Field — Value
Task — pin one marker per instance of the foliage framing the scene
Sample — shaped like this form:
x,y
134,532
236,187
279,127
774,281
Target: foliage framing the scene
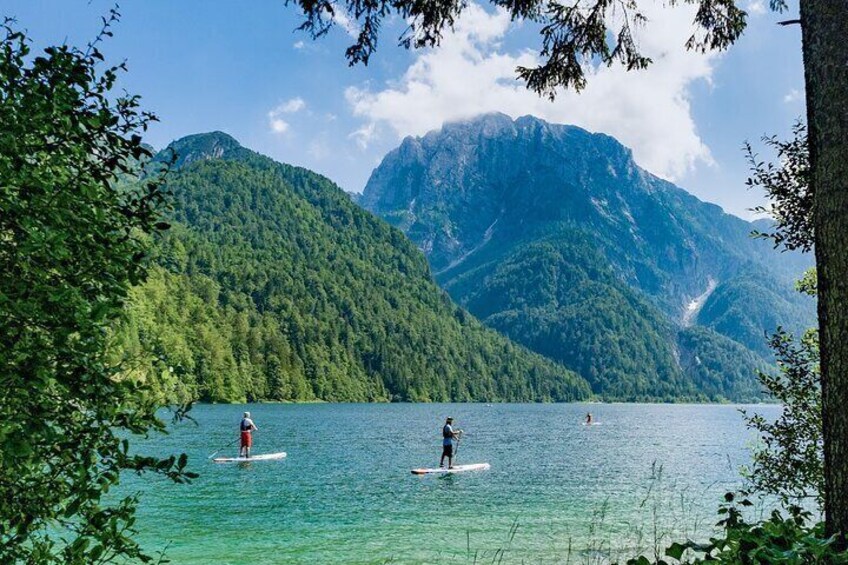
x,y
789,538
789,460
573,36
787,186
72,242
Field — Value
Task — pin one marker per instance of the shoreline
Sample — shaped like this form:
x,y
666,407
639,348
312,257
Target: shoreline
x,y
489,403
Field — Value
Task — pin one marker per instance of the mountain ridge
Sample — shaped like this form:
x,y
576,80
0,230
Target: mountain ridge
x,y
273,285
477,193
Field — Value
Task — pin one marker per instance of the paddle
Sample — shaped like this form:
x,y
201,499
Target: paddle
x,y
456,451
223,447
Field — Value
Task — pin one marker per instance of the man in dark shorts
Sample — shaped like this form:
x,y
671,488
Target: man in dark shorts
x,y
448,437
246,428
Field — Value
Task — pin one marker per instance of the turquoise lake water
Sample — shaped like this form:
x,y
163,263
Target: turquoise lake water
x,y
557,491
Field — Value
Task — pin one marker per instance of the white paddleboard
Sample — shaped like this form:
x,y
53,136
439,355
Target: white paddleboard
x,y
454,469
262,457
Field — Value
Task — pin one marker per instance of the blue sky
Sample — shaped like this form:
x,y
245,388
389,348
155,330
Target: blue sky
x,y
244,69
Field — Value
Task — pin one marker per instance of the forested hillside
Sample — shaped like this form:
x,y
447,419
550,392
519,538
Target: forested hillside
x,y
273,285
555,237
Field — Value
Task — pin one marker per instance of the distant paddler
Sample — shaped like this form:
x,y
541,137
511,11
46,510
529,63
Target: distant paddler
x,y
246,427
588,418
448,438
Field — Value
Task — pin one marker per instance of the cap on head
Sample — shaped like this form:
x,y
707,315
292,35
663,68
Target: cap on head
x,y
247,414
450,419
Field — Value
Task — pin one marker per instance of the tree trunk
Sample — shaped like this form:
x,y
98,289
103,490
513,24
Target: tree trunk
x,y
824,25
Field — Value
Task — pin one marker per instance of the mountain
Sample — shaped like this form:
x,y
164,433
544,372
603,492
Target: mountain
x,y
273,285
555,237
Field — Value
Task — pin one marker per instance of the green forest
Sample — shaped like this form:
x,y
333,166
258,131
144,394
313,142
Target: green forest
x,y
273,285
574,309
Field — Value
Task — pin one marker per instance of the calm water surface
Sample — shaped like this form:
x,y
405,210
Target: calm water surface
x,y
557,492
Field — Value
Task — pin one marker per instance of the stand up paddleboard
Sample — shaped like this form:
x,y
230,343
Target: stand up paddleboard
x,y
263,457
454,469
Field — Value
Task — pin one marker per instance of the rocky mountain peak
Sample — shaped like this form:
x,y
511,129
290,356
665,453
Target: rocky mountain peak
x,y
455,187
556,237
202,147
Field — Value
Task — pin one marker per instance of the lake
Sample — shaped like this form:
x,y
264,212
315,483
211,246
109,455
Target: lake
x,y
557,491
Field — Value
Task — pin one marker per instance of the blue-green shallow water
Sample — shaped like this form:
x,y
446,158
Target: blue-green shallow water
x,y
345,493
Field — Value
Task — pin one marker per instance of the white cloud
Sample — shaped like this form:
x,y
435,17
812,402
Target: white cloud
x,y
299,45
291,106
278,125
275,116
793,95
364,135
470,74
756,7
341,18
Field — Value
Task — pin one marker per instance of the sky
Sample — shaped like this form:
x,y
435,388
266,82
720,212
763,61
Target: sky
x,y
245,69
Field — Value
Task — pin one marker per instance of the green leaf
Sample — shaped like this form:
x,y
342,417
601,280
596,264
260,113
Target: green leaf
x,y
676,551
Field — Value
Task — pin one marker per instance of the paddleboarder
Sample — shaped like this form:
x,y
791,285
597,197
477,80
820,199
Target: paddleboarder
x,y
246,427
448,437
589,419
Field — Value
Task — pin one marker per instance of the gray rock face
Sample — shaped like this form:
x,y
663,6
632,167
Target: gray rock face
x,y
476,193
202,147
493,181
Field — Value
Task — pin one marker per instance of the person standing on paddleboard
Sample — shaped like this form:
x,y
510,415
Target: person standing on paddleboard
x,y
448,435
246,427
